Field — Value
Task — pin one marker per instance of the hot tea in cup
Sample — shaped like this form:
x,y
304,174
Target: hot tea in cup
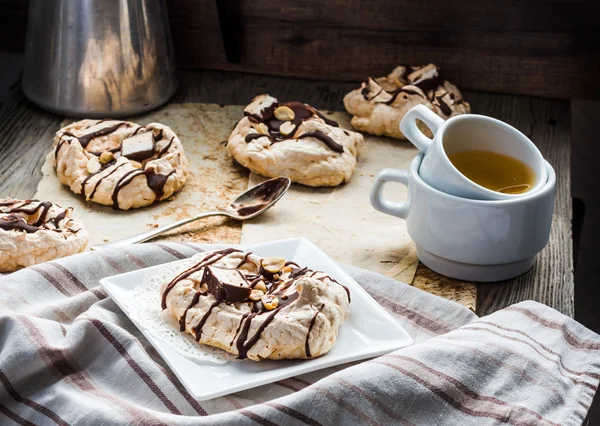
x,y
494,171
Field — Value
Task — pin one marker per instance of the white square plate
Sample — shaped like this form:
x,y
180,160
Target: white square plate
x,y
368,331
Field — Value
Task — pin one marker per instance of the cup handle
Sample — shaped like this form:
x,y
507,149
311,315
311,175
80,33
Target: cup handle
x,y
409,128
379,203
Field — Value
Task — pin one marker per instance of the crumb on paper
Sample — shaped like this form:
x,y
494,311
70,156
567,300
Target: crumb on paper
x,y
106,240
315,202
152,225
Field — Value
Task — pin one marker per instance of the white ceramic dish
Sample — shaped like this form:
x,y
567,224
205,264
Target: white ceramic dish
x,y
368,331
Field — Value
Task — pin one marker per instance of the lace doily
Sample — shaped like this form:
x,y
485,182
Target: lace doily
x,y
145,310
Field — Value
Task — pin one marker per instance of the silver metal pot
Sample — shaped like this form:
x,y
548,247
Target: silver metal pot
x,y
98,58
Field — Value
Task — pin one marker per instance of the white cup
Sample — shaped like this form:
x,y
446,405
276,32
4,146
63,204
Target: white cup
x,y
464,133
471,240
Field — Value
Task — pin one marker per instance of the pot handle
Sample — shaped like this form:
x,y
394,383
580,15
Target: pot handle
x,y
379,203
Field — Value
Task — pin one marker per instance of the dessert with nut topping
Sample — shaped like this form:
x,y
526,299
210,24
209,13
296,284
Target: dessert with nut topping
x,y
33,232
294,140
120,163
380,104
255,307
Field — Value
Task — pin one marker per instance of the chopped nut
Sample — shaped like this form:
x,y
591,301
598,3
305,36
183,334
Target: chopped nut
x,y
256,295
270,302
287,269
262,128
261,286
284,113
136,164
273,264
286,128
106,157
93,166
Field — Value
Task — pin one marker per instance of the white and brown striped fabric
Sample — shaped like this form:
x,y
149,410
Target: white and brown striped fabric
x,y
69,356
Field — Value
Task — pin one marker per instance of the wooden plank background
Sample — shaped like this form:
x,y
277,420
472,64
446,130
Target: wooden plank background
x,y
535,47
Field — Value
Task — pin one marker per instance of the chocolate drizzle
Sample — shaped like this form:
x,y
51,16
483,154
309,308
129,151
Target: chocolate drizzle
x,y
99,181
405,91
84,140
328,121
59,145
13,221
302,112
239,327
165,148
195,300
155,181
122,182
311,325
342,285
198,327
365,92
245,259
56,220
245,343
44,206
331,144
300,272
443,105
251,136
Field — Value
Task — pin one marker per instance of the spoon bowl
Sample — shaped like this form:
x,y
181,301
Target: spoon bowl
x,y
247,205
259,198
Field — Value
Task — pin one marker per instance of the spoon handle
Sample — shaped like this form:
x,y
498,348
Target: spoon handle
x,y
148,235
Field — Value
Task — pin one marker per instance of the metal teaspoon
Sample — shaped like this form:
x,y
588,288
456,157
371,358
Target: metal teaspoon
x,y
249,204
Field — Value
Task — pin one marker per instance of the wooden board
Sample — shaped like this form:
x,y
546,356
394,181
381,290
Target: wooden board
x,y
528,47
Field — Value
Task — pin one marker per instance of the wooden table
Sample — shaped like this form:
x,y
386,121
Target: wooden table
x,y
26,134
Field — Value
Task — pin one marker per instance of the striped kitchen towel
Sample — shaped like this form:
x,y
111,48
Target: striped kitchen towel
x,y
69,356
